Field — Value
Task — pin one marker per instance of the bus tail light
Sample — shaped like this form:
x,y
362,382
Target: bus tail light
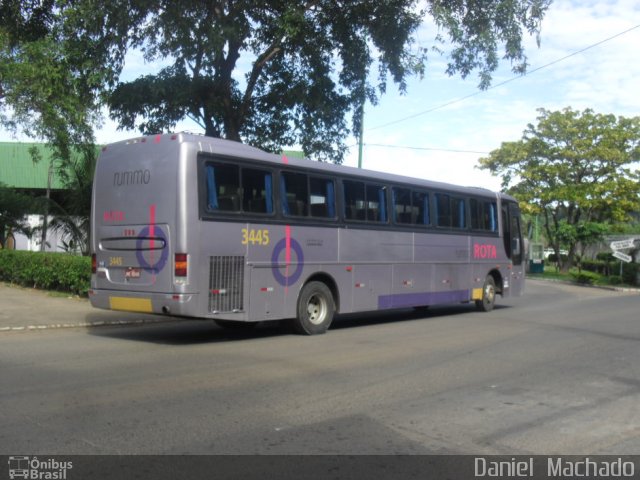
x,y
94,263
181,265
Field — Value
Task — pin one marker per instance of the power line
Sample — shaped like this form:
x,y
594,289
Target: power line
x,y
458,100
425,148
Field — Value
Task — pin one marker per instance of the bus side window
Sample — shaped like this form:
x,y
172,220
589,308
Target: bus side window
x,y
459,213
322,202
257,191
506,233
483,215
401,199
223,187
293,194
477,222
516,239
376,203
443,210
354,200
491,216
421,208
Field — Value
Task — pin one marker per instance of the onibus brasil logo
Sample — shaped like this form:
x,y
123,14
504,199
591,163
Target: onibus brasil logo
x,y
36,469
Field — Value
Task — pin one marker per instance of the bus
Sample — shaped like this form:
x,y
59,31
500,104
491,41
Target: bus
x,y
190,226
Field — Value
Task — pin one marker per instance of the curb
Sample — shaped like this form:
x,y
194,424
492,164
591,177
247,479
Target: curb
x,y
575,284
59,326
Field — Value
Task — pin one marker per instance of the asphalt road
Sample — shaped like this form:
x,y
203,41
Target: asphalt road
x,y
554,372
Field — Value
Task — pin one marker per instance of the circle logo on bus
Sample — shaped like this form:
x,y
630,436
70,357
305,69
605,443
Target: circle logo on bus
x,y
288,277
154,265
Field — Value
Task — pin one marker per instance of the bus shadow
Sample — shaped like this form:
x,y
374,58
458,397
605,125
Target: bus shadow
x,y
354,320
184,332
193,332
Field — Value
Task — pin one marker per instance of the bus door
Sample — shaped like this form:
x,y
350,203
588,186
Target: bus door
x,y
514,247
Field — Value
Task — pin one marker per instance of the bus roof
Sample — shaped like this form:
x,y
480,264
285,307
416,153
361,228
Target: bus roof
x,y
231,148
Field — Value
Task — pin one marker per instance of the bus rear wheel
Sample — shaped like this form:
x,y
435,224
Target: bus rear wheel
x,y
488,295
315,309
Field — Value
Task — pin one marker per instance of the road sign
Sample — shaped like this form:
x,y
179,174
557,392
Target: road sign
x,y
623,256
622,244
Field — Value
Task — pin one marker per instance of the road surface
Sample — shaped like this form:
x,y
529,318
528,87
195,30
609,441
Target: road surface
x,y
554,372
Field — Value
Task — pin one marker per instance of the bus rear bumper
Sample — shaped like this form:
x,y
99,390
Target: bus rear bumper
x,y
178,304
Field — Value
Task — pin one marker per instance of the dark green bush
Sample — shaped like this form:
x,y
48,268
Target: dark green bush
x,y
596,266
605,256
630,273
50,271
614,279
553,258
585,278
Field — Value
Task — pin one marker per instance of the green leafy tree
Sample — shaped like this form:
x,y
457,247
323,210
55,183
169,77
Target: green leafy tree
x,y
52,87
42,95
582,235
71,215
577,170
280,73
52,77
14,206
270,73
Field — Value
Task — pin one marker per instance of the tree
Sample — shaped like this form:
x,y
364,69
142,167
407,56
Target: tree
x,y
280,73
71,216
58,58
582,235
52,86
14,207
270,73
577,170
42,92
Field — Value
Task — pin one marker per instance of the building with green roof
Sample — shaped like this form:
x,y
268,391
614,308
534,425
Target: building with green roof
x,y
19,171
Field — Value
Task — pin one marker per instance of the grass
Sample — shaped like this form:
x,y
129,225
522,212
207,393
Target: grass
x,y
550,273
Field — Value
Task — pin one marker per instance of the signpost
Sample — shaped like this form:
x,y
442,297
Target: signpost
x,y
622,256
622,244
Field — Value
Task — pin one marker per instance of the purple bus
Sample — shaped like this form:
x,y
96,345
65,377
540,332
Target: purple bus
x,y
191,226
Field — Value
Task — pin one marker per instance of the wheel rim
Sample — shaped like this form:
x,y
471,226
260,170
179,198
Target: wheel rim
x,y
489,294
317,309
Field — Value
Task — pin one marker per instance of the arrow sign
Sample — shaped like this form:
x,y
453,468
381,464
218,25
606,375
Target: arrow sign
x,y
622,244
623,256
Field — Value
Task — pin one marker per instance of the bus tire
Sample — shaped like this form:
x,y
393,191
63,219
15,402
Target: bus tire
x,y
488,295
315,309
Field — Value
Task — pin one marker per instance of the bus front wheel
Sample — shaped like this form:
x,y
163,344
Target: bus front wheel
x,y
488,295
315,309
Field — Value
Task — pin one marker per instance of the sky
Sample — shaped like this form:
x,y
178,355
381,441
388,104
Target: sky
x,y
443,125
605,78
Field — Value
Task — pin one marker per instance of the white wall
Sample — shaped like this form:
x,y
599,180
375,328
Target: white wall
x,y
53,241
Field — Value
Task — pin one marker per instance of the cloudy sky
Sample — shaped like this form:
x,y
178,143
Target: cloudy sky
x,y
605,78
443,125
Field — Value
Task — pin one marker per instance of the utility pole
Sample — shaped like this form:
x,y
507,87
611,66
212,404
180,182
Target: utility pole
x,y
45,220
361,133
